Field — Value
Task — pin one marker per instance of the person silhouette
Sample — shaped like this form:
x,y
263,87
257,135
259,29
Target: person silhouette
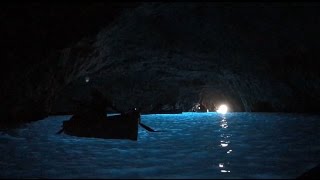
x,y
99,103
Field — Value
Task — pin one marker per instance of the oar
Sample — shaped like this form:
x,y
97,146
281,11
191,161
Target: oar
x,y
59,132
147,127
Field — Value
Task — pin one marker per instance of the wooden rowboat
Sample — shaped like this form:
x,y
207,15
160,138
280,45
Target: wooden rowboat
x,y
124,126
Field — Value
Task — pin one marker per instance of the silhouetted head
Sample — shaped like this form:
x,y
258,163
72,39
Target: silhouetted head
x,y
136,112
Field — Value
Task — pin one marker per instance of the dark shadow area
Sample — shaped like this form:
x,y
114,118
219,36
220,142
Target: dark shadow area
x,y
313,173
262,106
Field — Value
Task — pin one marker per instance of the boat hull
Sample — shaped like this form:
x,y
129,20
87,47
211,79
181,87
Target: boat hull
x,y
123,126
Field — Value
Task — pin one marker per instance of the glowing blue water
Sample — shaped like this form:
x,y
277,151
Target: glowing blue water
x,y
193,145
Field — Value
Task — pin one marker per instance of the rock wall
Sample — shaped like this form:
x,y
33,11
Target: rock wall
x,y
253,57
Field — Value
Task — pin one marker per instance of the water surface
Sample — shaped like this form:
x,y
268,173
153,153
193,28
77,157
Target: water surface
x,y
191,145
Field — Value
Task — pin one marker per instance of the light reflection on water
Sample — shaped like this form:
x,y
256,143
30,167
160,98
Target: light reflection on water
x,y
191,145
224,144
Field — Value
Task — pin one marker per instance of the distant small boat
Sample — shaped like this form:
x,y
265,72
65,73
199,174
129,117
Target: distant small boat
x,y
171,111
124,126
199,108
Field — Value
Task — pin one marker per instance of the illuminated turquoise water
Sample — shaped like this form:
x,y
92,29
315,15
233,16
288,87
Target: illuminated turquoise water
x,y
192,145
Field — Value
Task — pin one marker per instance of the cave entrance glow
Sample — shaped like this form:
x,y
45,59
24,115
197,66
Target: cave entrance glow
x,y
223,109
